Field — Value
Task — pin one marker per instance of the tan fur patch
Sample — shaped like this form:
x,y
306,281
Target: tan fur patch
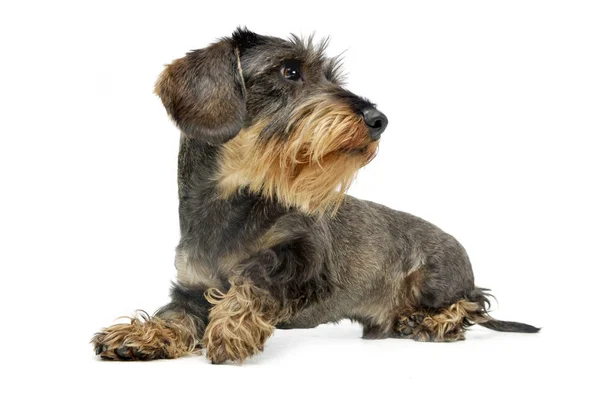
x,y
410,290
311,169
447,324
147,338
240,323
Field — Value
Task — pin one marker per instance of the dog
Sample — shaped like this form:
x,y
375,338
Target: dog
x,y
270,142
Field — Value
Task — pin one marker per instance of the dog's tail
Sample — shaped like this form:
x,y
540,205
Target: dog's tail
x,y
482,317
509,326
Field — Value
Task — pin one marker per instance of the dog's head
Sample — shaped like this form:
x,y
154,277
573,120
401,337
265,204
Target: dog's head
x,y
286,126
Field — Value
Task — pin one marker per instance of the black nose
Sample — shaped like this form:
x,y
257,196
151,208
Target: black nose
x,y
376,121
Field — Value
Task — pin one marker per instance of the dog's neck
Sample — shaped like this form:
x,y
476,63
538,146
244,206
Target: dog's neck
x,y
213,224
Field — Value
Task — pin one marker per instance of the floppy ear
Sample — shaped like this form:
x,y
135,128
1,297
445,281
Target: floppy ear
x,y
204,93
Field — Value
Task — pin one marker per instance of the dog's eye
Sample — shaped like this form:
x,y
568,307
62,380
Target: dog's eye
x,y
291,71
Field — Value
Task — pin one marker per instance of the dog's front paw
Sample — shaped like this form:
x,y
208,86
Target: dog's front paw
x,y
236,330
143,339
234,339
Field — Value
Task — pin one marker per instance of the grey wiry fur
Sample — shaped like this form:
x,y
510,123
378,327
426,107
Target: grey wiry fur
x,y
266,125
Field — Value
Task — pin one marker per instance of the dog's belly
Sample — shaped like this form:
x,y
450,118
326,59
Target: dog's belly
x,y
334,308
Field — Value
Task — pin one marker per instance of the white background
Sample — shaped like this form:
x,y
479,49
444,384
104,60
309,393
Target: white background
x,y
494,112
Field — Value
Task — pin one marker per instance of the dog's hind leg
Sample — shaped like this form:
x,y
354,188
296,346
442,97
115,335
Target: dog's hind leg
x,y
449,324
443,325
173,331
424,308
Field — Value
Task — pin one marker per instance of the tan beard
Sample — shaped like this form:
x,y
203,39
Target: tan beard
x,y
310,169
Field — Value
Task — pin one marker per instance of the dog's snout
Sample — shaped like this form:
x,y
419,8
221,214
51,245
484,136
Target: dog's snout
x,y
375,120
